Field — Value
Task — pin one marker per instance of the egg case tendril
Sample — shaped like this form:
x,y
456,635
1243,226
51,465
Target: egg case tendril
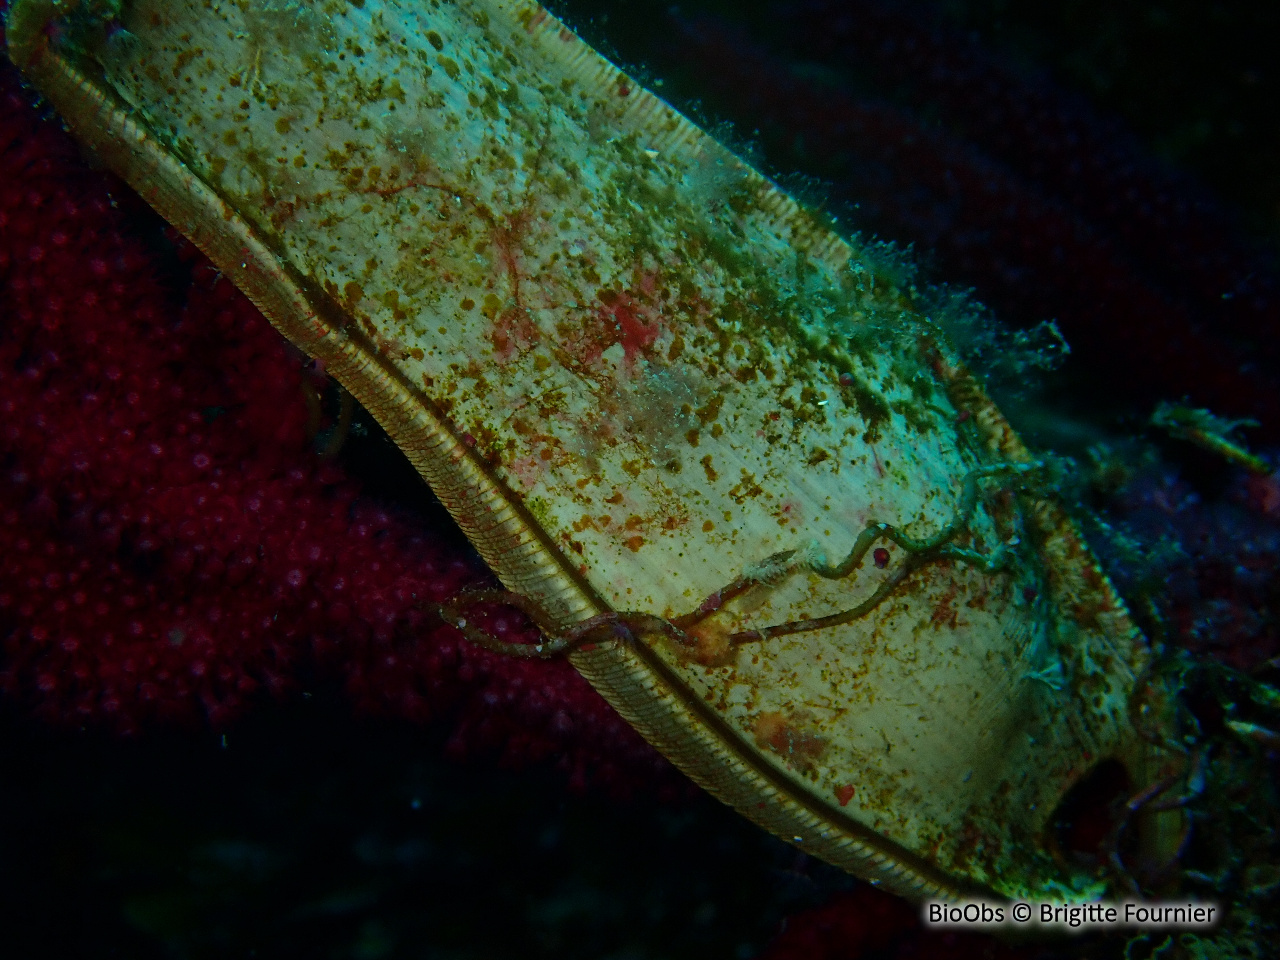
x,y
624,625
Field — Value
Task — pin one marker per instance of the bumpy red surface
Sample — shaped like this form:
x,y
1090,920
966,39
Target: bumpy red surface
x,y
170,541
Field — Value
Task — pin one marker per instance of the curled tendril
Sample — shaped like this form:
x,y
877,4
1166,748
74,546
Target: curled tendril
x,y
1154,799
919,552
613,625
624,626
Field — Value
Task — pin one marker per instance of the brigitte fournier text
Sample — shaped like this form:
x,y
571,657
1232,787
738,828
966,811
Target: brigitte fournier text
x,y
1072,916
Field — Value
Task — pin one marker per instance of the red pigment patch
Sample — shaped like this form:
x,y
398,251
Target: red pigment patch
x,y
712,647
787,737
845,794
513,328
513,331
944,611
624,320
